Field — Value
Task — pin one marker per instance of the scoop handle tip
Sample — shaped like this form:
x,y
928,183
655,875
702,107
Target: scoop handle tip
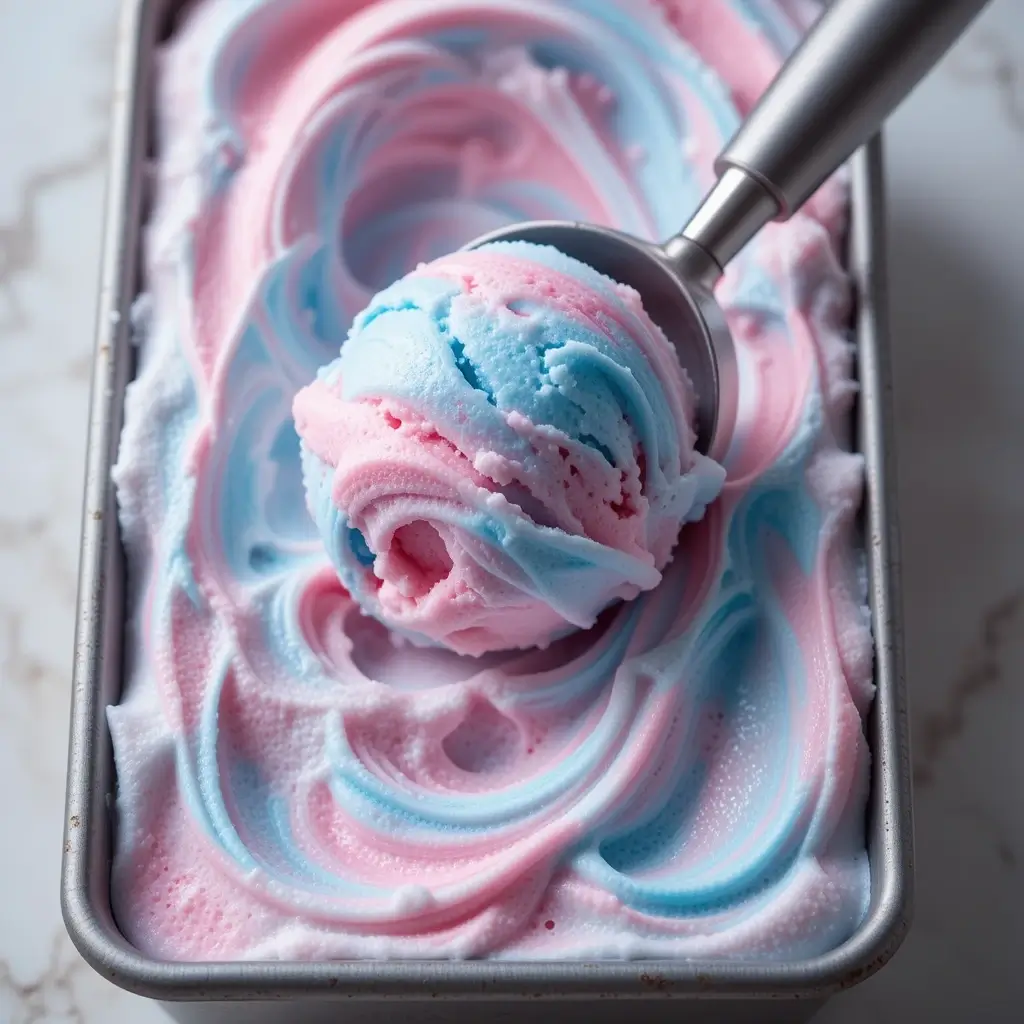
x,y
859,61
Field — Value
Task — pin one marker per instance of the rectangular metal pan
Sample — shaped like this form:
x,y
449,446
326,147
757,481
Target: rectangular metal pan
x,y
352,990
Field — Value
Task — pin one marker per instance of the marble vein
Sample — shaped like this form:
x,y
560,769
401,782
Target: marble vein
x,y
19,239
1002,844
988,60
981,673
49,997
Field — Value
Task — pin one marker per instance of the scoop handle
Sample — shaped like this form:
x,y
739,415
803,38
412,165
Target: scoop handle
x,y
855,66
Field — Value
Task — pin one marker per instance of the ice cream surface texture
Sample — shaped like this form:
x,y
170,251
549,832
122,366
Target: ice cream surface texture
x,y
503,448
687,777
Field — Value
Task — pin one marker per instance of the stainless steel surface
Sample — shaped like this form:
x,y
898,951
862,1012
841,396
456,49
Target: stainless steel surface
x,y
849,74
735,209
852,70
264,991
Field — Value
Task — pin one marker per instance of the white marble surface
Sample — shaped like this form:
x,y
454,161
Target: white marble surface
x,y
956,177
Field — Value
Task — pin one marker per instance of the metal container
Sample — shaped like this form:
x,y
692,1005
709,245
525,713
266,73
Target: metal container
x,y
402,990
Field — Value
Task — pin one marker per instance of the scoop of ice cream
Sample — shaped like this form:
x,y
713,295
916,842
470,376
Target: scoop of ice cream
x,y
503,448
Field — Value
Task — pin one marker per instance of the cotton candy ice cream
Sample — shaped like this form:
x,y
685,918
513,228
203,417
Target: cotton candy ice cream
x,y
686,778
503,449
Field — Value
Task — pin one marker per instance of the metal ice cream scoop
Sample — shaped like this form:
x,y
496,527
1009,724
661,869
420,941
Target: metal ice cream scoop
x,y
856,65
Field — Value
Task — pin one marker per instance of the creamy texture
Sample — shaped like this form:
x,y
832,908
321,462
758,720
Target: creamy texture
x,y
503,448
688,777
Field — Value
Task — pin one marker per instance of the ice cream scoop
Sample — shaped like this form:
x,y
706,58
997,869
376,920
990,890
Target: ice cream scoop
x,y
853,69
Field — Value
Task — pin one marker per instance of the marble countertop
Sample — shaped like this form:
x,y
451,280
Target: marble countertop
x,y
955,160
